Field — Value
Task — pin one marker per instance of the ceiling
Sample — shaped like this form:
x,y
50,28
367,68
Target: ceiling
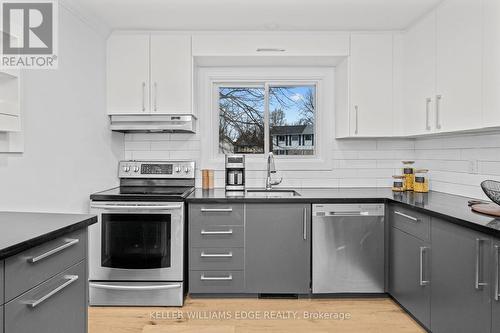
x,y
257,14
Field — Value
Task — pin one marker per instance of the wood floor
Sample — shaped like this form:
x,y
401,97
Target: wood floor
x,y
233,316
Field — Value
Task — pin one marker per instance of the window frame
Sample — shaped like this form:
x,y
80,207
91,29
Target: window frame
x,y
267,85
206,101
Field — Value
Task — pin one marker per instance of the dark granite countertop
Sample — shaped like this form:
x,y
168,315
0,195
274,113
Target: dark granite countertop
x,y
21,231
449,207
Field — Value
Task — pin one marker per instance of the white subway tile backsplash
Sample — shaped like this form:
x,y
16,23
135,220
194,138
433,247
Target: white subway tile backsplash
x,y
458,163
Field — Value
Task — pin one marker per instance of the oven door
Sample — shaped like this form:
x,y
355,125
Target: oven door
x,y
137,241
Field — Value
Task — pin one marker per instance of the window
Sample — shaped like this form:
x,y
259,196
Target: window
x,y
262,117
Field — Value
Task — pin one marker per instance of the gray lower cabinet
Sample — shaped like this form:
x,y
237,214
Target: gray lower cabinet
x,y
461,289
31,267
409,274
216,248
1,319
277,248
1,283
56,306
496,288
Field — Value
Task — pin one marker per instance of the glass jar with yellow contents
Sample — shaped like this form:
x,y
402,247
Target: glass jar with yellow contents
x,y
421,184
409,173
398,184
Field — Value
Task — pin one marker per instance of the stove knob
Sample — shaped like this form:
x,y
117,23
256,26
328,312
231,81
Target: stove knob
x,y
177,169
126,168
186,170
136,168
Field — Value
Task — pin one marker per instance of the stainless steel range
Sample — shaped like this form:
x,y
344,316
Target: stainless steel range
x,y
137,247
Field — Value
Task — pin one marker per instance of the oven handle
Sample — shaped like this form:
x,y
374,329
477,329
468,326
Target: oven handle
x,y
118,287
150,207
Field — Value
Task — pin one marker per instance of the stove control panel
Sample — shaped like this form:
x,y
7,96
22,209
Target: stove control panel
x,y
156,169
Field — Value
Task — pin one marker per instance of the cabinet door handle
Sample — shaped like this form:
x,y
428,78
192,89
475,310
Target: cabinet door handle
x,y
134,288
69,280
356,115
304,224
225,232
216,255
438,111
497,273
216,210
213,278
478,283
144,96
423,282
414,219
155,85
68,243
428,102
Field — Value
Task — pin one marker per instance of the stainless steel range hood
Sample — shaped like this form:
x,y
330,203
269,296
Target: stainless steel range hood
x,y
148,123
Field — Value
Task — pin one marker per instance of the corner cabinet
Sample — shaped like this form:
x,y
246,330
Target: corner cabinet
x,y
409,271
149,73
459,43
369,112
278,248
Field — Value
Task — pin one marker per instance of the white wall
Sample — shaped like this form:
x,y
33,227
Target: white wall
x,y
69,150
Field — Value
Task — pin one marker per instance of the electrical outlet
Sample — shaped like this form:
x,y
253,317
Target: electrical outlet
x,y
473,167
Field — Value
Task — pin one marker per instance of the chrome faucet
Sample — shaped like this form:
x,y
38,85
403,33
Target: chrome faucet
x,y
271,169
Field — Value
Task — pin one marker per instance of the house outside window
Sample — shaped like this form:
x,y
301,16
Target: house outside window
x,y
260,117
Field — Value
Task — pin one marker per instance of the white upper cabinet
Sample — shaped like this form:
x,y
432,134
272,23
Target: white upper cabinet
x,y
491,68
149,74
128,74
266,44
371,85
419,78
459,65
171,74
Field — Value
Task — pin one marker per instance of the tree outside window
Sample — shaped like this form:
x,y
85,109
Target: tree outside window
x,y
290,112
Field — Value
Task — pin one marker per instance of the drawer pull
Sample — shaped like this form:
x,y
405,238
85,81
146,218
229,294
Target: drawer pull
x,y
70,279
478,283
414,219
216,210
497,273
69,242
224,232
132,288
213,278
216,255
423,282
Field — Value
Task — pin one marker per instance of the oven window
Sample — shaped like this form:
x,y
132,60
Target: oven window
x,y
136,241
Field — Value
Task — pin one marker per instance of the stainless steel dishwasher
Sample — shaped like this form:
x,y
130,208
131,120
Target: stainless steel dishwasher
x,y
348,248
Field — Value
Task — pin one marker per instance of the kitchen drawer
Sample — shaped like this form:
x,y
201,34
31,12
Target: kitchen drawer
x,y
57,305
216,259
220,214
31,267
211,282
411,222
217,236
142,293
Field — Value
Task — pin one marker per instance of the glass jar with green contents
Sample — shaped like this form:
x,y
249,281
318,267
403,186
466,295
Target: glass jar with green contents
x,y
409,173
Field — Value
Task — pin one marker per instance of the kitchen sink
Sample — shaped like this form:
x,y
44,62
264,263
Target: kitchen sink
x,y
272,193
